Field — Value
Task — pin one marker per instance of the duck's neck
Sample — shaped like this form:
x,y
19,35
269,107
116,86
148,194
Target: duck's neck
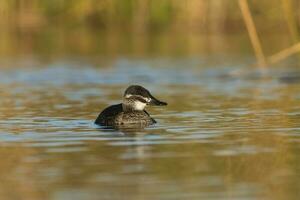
x,y
127,108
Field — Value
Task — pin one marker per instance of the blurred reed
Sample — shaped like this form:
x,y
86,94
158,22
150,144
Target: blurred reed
x,y
252,33
143,26
291,23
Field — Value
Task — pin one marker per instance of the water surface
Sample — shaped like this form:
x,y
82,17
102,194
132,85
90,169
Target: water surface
x,y
229,132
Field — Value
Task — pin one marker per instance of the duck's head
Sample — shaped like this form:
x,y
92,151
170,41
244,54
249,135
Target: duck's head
x,y
137,98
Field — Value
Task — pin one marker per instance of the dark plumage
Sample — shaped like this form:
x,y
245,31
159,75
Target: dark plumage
x,y
115,115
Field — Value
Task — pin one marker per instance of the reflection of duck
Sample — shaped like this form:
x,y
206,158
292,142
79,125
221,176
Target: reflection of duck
x,y
131,111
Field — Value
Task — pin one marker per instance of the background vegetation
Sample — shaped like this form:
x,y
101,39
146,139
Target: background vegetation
x,y
142,27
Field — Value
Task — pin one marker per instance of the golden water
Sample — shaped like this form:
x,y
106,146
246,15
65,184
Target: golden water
x,y
220,137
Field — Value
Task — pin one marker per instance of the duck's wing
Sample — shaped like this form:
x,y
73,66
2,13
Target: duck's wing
x,y
108,114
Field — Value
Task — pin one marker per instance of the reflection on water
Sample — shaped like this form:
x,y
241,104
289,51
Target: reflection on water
x,y
220,137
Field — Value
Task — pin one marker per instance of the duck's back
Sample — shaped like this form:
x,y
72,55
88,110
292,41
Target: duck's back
x,y
114,115
108,115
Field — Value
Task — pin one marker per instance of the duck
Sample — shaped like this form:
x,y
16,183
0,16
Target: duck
x,y
132,109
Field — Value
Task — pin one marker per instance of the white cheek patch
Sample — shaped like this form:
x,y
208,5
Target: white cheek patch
x,y
147,99
139,105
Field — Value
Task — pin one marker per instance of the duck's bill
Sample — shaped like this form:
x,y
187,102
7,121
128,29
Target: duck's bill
x,y
156,102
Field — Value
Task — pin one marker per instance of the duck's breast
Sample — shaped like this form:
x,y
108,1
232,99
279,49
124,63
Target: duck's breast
x,y
135,117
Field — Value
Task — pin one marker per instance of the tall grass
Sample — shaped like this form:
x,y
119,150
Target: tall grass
x,y
200,15
63,26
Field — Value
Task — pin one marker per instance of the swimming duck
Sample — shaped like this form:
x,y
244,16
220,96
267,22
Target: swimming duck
x,y
131,110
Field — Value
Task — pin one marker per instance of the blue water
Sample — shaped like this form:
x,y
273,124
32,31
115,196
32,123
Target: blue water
x,y
229,131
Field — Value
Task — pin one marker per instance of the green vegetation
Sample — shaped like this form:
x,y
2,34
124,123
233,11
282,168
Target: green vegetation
x,y
91,27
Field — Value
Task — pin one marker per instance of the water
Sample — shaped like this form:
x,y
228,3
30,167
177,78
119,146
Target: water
x,y
229,132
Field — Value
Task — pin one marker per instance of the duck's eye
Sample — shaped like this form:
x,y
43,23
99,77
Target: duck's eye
x,y
141,99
